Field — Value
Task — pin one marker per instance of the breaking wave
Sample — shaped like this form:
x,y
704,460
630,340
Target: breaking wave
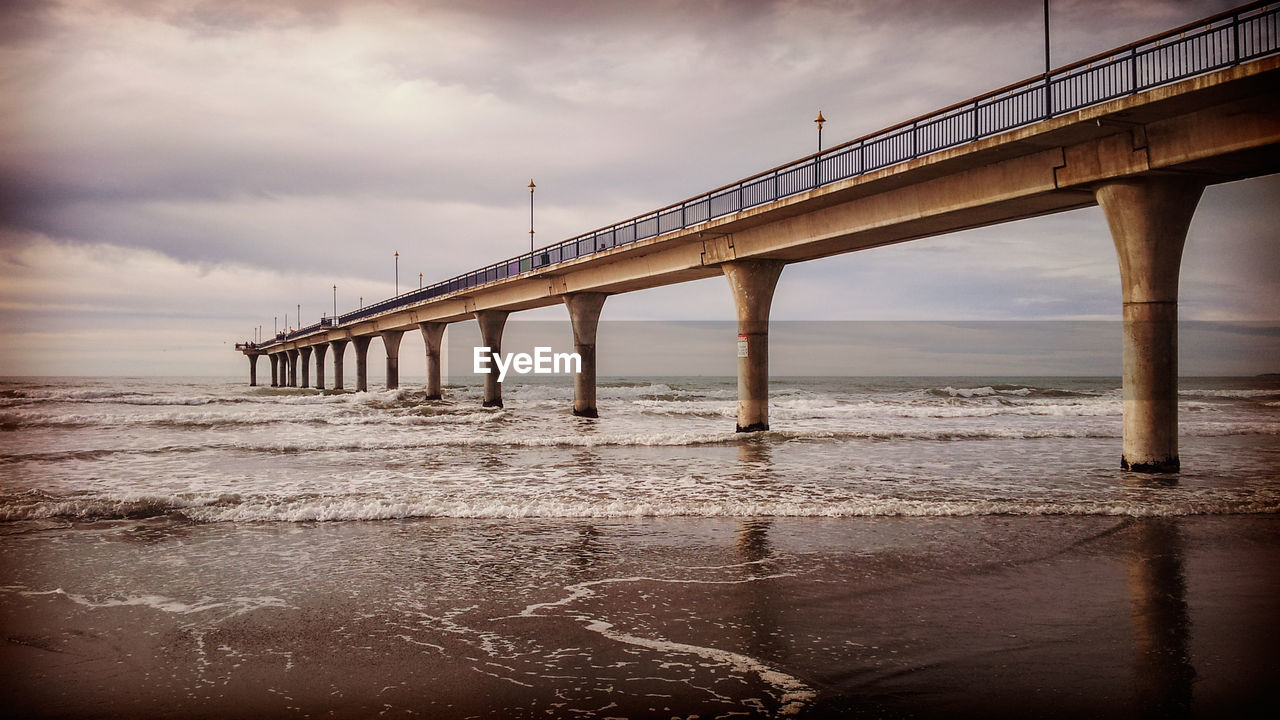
x,y
225,507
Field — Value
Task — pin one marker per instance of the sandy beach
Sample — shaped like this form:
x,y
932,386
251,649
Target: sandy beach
x,y
890,617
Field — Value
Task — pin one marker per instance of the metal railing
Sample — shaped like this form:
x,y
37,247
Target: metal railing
x,y
1230,38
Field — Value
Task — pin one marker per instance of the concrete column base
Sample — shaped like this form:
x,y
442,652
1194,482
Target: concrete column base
x,y
320,351
339,353
1149,217
391,341
253,371
362,362
293,367
491,324
274,361
584,314
433,335
1150,388
752,283
304,359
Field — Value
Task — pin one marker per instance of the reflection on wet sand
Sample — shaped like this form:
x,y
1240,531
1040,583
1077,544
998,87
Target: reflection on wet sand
x,y
585,551
755,455
760,617
1163,672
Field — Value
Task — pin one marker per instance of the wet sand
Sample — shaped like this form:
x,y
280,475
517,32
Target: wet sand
x,y
998,616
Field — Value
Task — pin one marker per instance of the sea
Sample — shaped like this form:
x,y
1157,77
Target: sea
x,y
893,546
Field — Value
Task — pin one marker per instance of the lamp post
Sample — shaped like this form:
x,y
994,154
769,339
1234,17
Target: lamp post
x,y
419,281
335,304
275,324
299,316
397,272
817,163
1046,38
1048,96
531,189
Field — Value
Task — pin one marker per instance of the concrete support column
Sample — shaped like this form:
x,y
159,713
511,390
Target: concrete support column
x,y
293,367
320,349
752,283
433,334
391,341
253,371
275,369
304,358
339,352
1149,217
362,365
584,314
491,324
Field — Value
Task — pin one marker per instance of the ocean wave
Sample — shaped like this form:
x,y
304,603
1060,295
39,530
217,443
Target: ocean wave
x,y
1241,394
1011,391
235,508
37,505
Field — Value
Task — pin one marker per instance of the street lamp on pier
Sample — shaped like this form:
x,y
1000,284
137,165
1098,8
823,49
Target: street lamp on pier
x,y
531,189
419,281
397,272
817,162
335,304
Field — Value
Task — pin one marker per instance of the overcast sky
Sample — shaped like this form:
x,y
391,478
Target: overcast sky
x,y
175,173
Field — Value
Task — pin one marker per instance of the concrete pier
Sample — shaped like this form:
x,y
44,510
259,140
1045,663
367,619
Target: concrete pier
x,y
339,352
491,324
320,349
304,360
584,313
275,369
362,362
433,335
1141,155
391,341
293,367
1149,217
752,283
253,371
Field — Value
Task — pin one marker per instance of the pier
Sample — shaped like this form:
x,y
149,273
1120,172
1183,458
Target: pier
x,y
1139,131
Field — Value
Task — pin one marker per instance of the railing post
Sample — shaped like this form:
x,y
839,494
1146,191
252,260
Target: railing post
x,y
1235,38
1048,98
1133,73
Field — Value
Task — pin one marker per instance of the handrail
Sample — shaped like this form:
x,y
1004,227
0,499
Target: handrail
x,y
1222,40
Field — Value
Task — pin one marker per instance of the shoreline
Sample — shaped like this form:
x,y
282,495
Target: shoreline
x,y
994,616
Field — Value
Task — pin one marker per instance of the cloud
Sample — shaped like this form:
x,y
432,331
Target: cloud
x,y
306,141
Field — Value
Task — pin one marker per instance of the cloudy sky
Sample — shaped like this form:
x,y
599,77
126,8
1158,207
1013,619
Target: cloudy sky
x,y
175,173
